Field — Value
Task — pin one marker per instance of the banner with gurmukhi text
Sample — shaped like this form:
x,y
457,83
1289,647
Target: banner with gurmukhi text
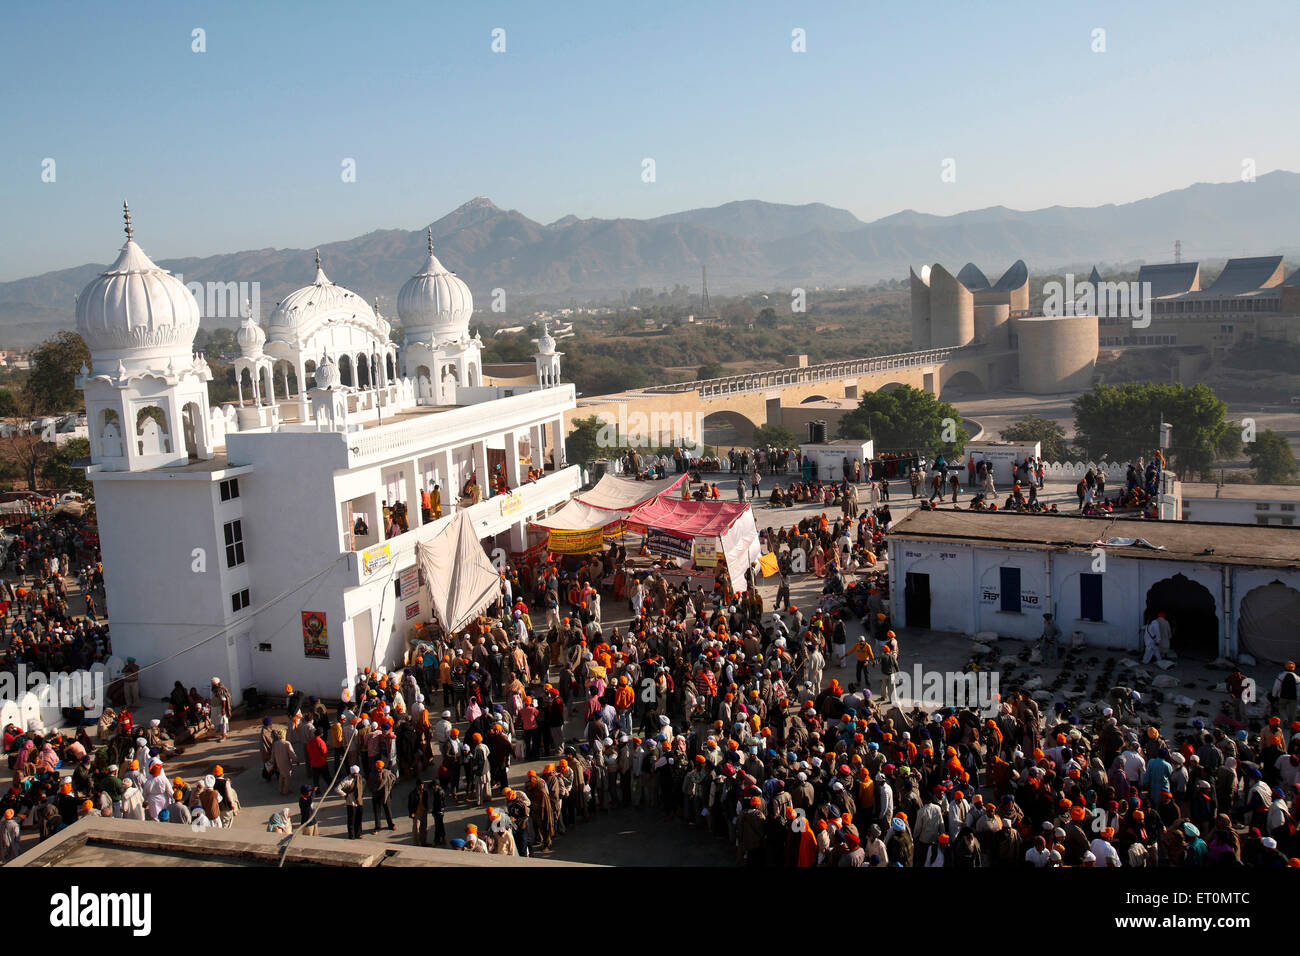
x,y
575,542
665,542
372,559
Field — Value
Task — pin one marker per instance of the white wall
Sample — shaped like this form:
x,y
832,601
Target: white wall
x,y
965,585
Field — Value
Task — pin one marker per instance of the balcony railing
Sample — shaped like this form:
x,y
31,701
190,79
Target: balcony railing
x,y
489,517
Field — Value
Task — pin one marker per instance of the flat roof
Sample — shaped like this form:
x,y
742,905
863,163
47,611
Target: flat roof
x,y
408,414
1240,492
1200,541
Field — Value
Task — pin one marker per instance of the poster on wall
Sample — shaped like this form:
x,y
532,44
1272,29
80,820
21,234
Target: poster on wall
x,y
315,638
408,582
372,559
413,611
706,552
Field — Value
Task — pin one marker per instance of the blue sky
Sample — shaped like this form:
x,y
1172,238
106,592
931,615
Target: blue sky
x,y
242,146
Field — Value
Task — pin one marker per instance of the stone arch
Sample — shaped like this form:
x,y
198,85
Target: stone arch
x,y
962,382
363,371
388,363
109,430
1266,622
345,370
890,386
813,398
152,434
1192,614
192,428
424,385
268,384
309,372
725,427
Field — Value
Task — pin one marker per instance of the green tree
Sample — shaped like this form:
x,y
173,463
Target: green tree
x,y
56,362
583,442
778,436
1121,422
8,404
906,418
1271,457
1032,428
515,347
61,471
711,370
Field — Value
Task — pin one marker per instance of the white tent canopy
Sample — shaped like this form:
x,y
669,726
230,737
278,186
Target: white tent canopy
x,y
462,581
741,549
624,494
577,516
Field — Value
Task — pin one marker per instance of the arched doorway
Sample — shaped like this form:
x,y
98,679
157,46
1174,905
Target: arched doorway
x,y
345,371
388,363
1192,614
1266,628
727,428
962,383
363,372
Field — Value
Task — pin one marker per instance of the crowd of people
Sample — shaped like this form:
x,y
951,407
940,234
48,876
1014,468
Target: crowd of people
x,y
703,709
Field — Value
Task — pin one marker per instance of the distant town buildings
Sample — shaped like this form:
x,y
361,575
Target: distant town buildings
x,y
1239,503
1252,299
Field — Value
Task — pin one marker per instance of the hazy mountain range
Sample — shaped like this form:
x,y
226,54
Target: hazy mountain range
x,y
747,246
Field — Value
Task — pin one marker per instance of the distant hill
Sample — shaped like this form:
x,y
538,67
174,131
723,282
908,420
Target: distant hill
x,y
746,245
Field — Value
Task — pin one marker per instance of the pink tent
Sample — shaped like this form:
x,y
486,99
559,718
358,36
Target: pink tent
x,y
699,519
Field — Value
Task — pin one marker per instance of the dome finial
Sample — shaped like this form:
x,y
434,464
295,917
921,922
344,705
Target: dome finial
x,y
126,216
317,258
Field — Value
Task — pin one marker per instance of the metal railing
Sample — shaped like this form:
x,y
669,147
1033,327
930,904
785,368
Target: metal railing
x,y
784,377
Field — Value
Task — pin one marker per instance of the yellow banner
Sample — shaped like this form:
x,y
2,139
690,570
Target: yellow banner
x,y
706,552
374,558
511,503
575,542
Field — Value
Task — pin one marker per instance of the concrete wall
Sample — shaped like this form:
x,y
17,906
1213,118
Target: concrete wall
x,y
920,308
952,310
965,590
162,597
1057,354
991,325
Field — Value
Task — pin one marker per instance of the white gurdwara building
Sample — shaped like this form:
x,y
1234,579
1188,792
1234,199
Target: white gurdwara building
x,y
249,542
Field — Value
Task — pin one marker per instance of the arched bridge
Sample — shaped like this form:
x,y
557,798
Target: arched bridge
x,y
771,397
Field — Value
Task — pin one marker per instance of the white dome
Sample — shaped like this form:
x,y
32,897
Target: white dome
x,y
251,338
137,307
327,374
302,311
545,344
435,304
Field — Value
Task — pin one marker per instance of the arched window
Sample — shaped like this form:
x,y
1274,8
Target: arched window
x,y
152,435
